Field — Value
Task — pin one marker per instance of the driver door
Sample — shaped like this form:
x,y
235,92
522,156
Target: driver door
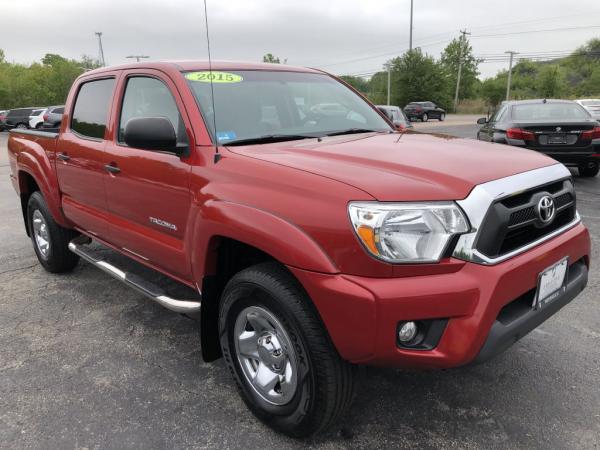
x,y
147,191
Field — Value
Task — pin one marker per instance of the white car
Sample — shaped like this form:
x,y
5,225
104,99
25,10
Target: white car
x,y
36,118
592,105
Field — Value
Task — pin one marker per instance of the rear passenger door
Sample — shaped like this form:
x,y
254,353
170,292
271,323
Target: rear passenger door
x,y
148,195
80,157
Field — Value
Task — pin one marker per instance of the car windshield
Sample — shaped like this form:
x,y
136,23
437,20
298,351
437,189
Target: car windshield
x,y
549,111
252,104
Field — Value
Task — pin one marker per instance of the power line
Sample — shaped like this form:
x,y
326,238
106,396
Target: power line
x,y
534,31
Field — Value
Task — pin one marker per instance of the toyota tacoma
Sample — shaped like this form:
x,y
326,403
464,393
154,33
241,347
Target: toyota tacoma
x,y
308,234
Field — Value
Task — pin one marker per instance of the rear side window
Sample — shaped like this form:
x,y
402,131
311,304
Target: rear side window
x,y
91,108
58,111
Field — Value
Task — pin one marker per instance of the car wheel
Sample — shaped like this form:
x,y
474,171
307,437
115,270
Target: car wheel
x,y
425,117
442,117
38,126
279,353
50,240
21,126
589,169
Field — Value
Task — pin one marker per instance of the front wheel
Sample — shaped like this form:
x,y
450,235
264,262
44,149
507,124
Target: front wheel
x,y
425,117
21,126
278,351
442,117
589,169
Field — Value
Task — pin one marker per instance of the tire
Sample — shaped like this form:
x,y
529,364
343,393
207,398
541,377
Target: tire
x,y
21,126
442,117
264,302
38,126
424,117
589,169
55,257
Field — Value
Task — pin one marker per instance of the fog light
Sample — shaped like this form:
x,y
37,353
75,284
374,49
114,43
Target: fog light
x,y
407,332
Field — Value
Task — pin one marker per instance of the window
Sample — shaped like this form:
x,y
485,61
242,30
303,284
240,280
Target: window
x,y
549,111
498,115
91,108
59,111
149,97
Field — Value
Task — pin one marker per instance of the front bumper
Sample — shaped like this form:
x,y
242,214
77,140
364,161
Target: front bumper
x,y
362,314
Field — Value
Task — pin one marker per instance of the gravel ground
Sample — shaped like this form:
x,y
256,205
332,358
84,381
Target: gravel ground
x,y
88,363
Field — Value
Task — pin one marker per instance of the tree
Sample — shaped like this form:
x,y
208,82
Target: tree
x,y
493,90
39,84
418,77
358,83
460,50
269,58
550,82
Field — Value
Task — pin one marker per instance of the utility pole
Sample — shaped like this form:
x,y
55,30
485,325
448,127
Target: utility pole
x,y
462,39
389,84
411,26
99,34
510,63
137,57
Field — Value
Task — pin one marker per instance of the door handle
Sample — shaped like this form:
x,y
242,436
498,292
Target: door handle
x,y
63,157
111,168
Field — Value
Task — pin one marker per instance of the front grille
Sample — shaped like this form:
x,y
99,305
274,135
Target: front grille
x,y
513,222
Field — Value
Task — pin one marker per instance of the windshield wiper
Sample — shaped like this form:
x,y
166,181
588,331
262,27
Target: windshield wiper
x,y
353,131
268,139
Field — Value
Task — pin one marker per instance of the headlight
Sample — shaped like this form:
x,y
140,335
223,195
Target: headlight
x,y
407,232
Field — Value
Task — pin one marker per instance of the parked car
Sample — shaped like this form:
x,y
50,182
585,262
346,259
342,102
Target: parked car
x,y
592,105
18,118
308,244
36,118
424,111
561,129
2,118
396,115
53,116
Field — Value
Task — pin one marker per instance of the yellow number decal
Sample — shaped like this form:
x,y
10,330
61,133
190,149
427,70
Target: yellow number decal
x,y
215,77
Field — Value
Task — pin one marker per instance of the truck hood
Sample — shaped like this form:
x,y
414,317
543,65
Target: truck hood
x,y
402,167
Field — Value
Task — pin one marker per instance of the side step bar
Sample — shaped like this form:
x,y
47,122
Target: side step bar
x,y
140,284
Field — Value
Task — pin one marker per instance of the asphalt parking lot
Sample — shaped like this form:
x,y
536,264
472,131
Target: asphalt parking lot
x,y
88,363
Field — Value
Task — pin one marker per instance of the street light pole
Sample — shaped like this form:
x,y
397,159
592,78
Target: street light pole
x,y
99,34
460,57
411,26
389,83
510,63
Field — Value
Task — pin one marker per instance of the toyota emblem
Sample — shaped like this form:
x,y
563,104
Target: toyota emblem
x,y
546,209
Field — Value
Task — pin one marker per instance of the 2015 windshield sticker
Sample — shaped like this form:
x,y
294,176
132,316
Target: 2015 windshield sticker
x,y
215,77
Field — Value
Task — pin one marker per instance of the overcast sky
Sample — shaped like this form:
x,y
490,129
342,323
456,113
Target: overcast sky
x,y
341,36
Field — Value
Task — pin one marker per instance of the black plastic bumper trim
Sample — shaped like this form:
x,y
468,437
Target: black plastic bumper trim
x,y
502,336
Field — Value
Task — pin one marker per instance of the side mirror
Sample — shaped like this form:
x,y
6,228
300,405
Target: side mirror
x,y
151,133
399,125
482,121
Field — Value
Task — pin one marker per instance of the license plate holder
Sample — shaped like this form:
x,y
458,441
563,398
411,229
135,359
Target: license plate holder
x,y
557,139
552,281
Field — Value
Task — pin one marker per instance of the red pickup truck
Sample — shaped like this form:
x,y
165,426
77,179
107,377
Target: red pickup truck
x,y
314,235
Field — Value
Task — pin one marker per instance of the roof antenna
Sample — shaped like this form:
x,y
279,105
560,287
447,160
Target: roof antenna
x,y
212,91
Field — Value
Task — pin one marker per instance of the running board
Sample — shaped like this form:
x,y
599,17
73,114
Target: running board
x,y
138,283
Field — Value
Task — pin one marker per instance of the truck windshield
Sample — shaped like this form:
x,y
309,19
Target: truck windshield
x,y
251,105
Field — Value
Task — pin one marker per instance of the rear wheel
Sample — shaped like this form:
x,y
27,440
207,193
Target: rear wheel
x,y
589,169
442,117
425,117
285,366
50,240
21,126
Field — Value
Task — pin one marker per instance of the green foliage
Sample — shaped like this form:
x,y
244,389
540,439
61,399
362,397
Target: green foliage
x,y
456,51
270,58
39,84
358,83
418,77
